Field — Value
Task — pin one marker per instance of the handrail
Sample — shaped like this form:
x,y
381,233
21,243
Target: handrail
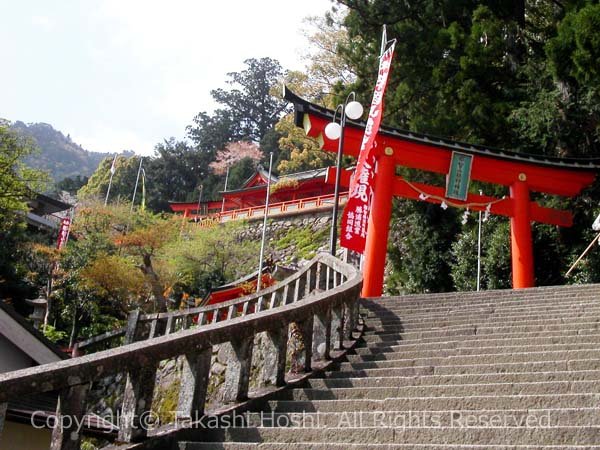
x,y
275,209
321,299
168,322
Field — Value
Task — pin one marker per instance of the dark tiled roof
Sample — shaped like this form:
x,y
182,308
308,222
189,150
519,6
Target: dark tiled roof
x,y
303,106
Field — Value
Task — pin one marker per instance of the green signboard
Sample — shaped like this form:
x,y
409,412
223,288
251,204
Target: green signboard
x,y
459,176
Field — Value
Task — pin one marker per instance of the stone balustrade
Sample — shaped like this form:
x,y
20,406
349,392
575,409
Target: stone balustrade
x,y
321,300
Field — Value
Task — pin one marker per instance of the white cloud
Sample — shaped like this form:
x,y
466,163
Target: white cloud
x,y
43,22
127,74
102,137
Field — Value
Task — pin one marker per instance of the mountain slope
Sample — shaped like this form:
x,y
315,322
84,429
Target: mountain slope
x,y
59,155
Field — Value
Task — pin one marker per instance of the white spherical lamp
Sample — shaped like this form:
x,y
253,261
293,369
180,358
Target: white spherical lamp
x,y
333,130
354,110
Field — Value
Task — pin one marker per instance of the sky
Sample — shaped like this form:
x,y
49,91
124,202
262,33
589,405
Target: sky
x,y
126,74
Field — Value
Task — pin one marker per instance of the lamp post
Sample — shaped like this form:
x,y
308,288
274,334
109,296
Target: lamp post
x,y
333,131
264,229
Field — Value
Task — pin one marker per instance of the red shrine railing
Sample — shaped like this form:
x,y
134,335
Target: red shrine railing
x,y
275,209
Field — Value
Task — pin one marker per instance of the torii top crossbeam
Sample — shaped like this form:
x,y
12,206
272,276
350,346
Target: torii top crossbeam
x,y
521,173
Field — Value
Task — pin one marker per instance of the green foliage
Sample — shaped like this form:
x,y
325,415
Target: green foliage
x,y
18,182
496,262
299,151
304,240
53,334
123,181
71,184
419,248
464,261
206,258
250,102
515,75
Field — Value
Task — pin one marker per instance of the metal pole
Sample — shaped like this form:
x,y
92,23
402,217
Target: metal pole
x,y
137,179
336,195
479,250
112,172
582,255
479,254
199,202
264,230
225,190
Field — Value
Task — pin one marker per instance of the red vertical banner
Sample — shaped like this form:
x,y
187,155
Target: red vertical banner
x,y
63,232
356,213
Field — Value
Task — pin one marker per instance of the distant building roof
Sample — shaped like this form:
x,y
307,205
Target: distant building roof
x,y
30,341
41,206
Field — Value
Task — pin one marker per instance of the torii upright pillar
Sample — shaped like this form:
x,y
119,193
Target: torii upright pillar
x,y
379,225
520,234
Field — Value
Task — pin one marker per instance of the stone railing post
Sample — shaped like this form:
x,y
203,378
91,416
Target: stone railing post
x,y
194,384
321,345
305,327
157,327
337,327
66,434
137,402
275,356
133,324
350,322
237,375
3,408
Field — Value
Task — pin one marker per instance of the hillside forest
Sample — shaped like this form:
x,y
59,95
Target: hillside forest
x,y
523,76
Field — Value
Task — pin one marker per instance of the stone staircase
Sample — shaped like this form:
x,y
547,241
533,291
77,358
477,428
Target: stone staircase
x,y
491,370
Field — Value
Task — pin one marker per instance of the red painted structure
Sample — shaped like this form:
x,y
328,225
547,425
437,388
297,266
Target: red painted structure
x,y
236,289
299,192
520,173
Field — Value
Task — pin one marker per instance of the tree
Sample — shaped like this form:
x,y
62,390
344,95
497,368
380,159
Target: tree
x,y
233,153
206,258
515,75
250,103
123,180
175,173
116,279
18,183
299,151
145,243
326,70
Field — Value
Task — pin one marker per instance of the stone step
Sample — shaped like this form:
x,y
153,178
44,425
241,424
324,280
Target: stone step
x,y
557,301
468,335
484,330
503,306
448,390
451,360
506,308
484,342
411,354
393,319
440,435
398,327
441,380
516,367
506,294
352,446
441,403
400,419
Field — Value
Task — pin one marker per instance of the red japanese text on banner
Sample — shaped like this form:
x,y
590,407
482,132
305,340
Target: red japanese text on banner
x,y
63,232
356,213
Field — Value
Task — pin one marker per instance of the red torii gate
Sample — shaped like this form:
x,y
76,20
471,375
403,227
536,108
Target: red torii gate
x,y
521,173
